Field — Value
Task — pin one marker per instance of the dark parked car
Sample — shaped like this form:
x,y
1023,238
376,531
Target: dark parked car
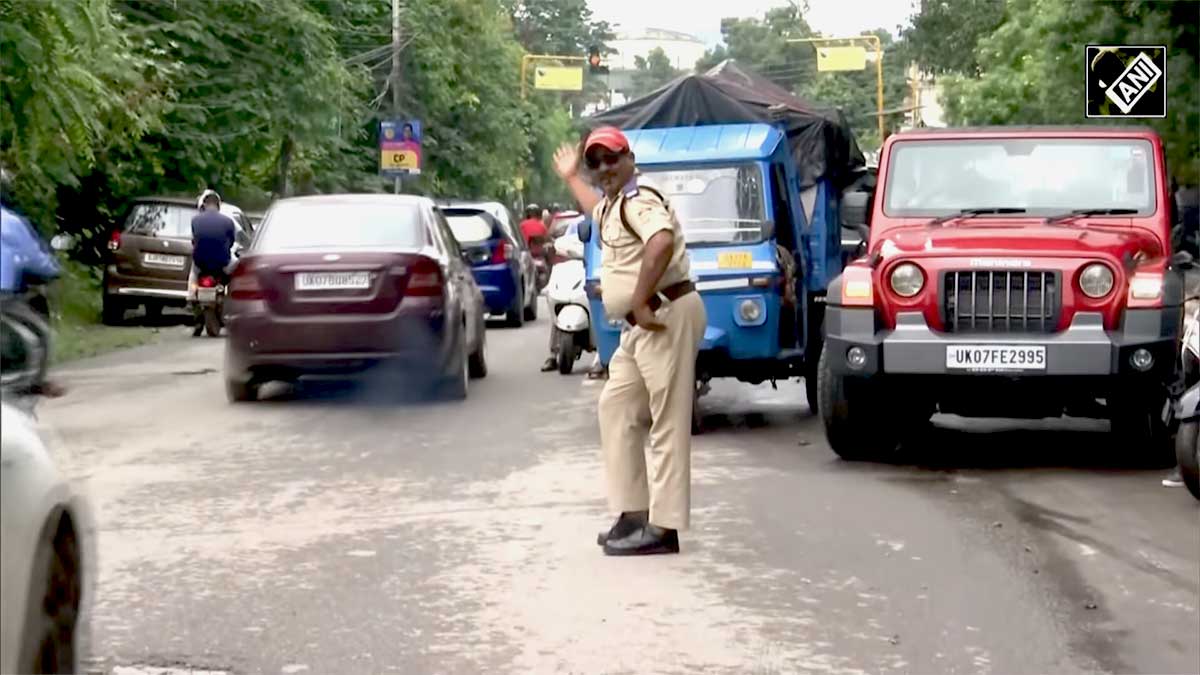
x,y
150,257
347,285
502,262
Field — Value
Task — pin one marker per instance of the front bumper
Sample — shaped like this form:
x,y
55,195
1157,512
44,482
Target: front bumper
x,y
1084,348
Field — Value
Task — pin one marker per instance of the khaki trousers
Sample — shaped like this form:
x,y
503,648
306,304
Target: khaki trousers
x,y
648,397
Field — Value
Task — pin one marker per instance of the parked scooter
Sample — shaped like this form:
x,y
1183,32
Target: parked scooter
x,y
568,303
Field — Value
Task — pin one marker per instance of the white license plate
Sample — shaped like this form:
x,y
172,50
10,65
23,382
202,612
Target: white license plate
x,y
165,260
332,281
206,294
996,357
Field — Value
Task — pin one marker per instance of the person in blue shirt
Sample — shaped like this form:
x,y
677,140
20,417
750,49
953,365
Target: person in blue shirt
x,y
213,235
25,260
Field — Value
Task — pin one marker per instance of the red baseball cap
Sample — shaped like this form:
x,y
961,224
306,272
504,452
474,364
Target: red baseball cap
x,y
608,137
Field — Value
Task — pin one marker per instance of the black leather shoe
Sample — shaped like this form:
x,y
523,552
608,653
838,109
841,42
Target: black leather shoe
x,y
625,525
646,540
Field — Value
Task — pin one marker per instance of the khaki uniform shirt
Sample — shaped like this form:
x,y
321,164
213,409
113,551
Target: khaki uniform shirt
x,y
621,253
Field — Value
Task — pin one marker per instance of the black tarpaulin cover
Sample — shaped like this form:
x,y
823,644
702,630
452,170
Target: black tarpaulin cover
x,y
820,139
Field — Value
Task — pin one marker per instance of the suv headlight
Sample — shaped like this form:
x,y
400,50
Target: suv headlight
x,y
1096,280
907,280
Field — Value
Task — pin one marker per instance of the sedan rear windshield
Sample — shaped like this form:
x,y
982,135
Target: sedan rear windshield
x,y
340,225
160,220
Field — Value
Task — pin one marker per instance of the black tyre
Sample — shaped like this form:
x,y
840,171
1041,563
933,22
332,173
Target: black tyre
x,y
241,391
48,645
516,313
531,310
454,386
1137,424
212,322
112,313
857,425
478,364
566,352
154,311
811,376
1187,455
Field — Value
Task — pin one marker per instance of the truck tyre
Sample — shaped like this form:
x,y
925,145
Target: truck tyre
x,y
856,423
1187,455
1137,425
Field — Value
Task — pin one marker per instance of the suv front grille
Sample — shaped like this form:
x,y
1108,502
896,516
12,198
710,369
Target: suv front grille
x,y
1000,301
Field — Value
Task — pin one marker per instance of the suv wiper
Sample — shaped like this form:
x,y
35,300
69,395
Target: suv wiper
x,y
971,213
1079,213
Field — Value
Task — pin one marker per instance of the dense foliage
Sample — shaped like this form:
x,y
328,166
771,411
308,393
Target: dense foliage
x,y
1030,69
104,100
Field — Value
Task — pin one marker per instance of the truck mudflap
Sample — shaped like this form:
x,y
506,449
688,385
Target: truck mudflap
x,y
1084,348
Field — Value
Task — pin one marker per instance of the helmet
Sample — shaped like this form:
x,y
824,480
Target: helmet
x,y
533,210
205,195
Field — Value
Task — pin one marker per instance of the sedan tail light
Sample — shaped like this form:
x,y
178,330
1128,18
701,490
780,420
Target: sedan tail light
x,y
424,278
114,241
245,284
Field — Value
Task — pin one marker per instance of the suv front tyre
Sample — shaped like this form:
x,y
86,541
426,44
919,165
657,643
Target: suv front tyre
x,y
850,408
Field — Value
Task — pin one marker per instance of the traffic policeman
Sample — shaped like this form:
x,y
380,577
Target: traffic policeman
x,y
646,407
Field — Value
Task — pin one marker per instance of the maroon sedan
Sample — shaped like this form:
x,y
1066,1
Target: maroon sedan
x,y
351,285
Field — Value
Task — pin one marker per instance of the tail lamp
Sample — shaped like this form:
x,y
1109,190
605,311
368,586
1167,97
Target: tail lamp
x,y
424,279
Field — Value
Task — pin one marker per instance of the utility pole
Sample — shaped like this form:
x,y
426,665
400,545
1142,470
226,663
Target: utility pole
x,y
396,70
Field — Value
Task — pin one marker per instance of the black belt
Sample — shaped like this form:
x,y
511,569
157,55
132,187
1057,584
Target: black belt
x,y
672,293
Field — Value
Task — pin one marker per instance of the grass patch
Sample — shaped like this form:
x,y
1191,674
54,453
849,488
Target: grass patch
x,y
75,300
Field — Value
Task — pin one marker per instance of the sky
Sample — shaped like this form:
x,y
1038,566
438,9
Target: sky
x,y
702,18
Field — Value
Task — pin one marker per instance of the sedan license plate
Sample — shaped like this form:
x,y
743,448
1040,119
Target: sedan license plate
x,y
332,281
165,260
735,260
990,358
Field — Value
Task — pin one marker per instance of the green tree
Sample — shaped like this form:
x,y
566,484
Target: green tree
x,y
1029,79
68,80
944,33
652,72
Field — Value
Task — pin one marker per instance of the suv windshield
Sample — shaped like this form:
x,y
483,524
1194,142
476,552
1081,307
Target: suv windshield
x,y
160,220
1041,176
714,205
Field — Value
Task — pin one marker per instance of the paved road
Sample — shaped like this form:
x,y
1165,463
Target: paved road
x,y
334,533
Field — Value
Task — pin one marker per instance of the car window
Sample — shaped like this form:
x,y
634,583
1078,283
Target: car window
x,y
470,228
160,220
444,232
298,226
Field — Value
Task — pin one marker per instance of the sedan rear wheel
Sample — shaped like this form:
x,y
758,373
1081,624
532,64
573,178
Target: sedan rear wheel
x,y
458,380
478,364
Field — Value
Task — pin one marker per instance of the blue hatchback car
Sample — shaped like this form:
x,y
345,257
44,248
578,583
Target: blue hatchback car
x,y
494,258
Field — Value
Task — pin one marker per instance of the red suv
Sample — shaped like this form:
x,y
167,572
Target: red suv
x,y
1010,272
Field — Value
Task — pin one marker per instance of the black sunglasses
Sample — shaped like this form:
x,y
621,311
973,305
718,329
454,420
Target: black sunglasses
x,y
609,158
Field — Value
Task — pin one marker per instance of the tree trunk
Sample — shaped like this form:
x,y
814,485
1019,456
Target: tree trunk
x,y
284,165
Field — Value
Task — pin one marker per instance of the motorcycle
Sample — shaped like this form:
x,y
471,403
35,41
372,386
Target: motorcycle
x,y
1187,408
568,303
209,308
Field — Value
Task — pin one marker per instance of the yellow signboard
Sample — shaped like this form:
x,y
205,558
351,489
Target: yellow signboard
x,y
560,78
400,160
841,58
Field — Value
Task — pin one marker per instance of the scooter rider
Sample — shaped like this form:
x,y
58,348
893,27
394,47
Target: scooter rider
x,y
213,237
25,260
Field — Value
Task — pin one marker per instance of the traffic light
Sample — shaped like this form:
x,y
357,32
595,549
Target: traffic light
x,y
594,61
